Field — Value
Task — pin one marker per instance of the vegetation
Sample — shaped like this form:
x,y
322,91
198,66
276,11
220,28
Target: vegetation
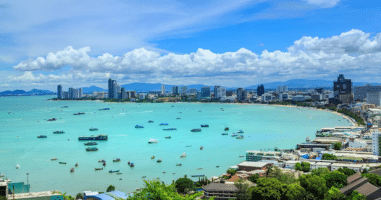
x,y
336,179
334,194
373,179
3,198
110,188
304,166
232,172
337,146
347,171
253,178
269,188
79,196
243,190
358,118
275,172
202,181
356,196
314,185
321,171
184,185
328,156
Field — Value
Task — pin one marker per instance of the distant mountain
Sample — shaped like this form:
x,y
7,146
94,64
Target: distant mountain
x,y
92,89
22,92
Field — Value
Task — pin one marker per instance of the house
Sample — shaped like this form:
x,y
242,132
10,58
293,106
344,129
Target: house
x,y
290,164
355,167
250,166
222,190
361,184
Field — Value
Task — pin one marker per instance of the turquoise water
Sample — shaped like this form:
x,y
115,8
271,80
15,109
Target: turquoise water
x,y
264,127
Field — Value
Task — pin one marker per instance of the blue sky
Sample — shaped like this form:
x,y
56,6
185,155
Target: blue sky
x,y
229,43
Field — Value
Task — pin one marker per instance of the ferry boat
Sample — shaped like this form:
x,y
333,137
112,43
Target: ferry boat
x,y
52,119
91,143
54,159
104,109
196,130
96,169
168,137
150,121
163,124
64,163
79,113
42,136
98,137
224,134
159,161
169,129
205,125
58,132
91,149
183,155
93,129
151,141
116,160
72,170
138,126
113,171
179,164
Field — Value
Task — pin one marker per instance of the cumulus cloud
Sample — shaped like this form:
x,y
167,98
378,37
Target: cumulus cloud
x,y
323,3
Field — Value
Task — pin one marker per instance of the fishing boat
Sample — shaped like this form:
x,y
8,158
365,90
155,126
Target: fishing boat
x,y
96,169
169,129
196,130
93,129
91,149
201,148
119,173
150,121
58,132
227,128
240,131
79,113
116,160
91,143
152,157
183,155
168,137
113,171
178,118
104,109
42,136
76,165
54,159
240,137
159,161
179,164
204,125
72,170
101,161
52,119
163,124
151,141
224,134
138,126
64,163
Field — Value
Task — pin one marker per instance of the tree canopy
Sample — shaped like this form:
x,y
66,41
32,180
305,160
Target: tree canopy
x,y
304,166
183,185
347,171
110,188
314,185
373,179
269,188
336,179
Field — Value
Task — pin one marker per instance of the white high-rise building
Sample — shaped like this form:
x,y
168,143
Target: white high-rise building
x,y
162,92
376,138
184,90
80,93
373,98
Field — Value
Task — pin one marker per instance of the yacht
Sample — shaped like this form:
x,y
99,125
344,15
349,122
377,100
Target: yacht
x,y
72,170
76,165
79,113
179,164
113,171
151,141
240,137
183,155
93,129
42,136
178,118
227,128
96,169
52,119
64,163
59,132
196,130
138,126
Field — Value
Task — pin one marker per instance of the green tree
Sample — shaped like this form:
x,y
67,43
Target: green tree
x,y
373,179
364,171
347,171
337,146
275,172
356,196
253,178
79,196
334,194
321,171
298,166
295,191
328,156
3,198
184,185
304,166
231,171
243,191
314,185
335,179
269,188
110,188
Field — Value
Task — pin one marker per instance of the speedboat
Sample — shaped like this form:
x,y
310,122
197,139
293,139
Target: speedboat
x,y
72,170
76,165
59,132
104,109
199,168
168,137
121,179
241,156
119,173
240,137
113,171
79,113
183,155
91,149
54,159
93,129
96,169
62,163
65,107
224,134
42,136
234,135
204,125
144,176
52,119
159,161
151,141
152,157
169,129
227,128
179,164
217,166
196,130
150,121
17,166
163,124
116,160
178,118
138,126
132,165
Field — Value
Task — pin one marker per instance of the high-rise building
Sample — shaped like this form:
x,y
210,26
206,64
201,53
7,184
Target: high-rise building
x,y
80,93
374,98
192,91
240,94
360,92
113,89
205,92
65,95
175,90
320,90
219,92
285,88
110,88
376,147
342,89
59,92
73,93
162,90
133,94
123,93
260,90
184,90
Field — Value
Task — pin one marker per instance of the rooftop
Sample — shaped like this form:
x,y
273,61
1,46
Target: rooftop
x,y
252,164
368,189
354,177
34,195
220,187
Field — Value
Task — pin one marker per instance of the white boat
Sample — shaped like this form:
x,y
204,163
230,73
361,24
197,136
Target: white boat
x,y
151,141
54,159
17,166
183,155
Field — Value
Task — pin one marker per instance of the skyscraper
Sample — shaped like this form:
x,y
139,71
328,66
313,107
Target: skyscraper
x,y
342,89
240,94
219,92
59,92
80,93
175,90
205,92
113,89
260,90
162,90
184,90
110,88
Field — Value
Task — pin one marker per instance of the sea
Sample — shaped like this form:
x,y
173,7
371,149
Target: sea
x,y
22,119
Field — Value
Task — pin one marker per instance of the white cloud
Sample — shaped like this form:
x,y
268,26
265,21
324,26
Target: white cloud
x,y
324,3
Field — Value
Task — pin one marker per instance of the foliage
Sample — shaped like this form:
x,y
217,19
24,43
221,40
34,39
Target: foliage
x,y
202,181
253,178
269,188
110,188
314,185
79,196
231,171
321,171
373,179
358,118
337,146
347,171
304,166
364,171
295,191
3,198
328,156
334,194
356,196
155,190
275,172
336,179
183,185
67,197
243,191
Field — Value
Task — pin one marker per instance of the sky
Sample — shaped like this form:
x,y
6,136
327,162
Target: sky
x,y
228,43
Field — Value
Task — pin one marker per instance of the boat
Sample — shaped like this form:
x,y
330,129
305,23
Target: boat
x,y
152,157
217,166
179,164
65,107
64,163
168,137
204,125
98,137
72,170
104,109
132,165
200,111
199,168
17,166
241,156
79,113
119,173
197,175
163,124
150,121
172,106
76,165
91,143
121,179
180,112
227,128
101,161
52,119
138,126
58,132
116,160
183,155
42,136
159,161
104,164
234,135
111,171
224,134
96,169
91,149
128,162
151,141
188,146
144,176
169,129
240,131
196,130
240,137
93,129
201,148
164,172
54,159
178,118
